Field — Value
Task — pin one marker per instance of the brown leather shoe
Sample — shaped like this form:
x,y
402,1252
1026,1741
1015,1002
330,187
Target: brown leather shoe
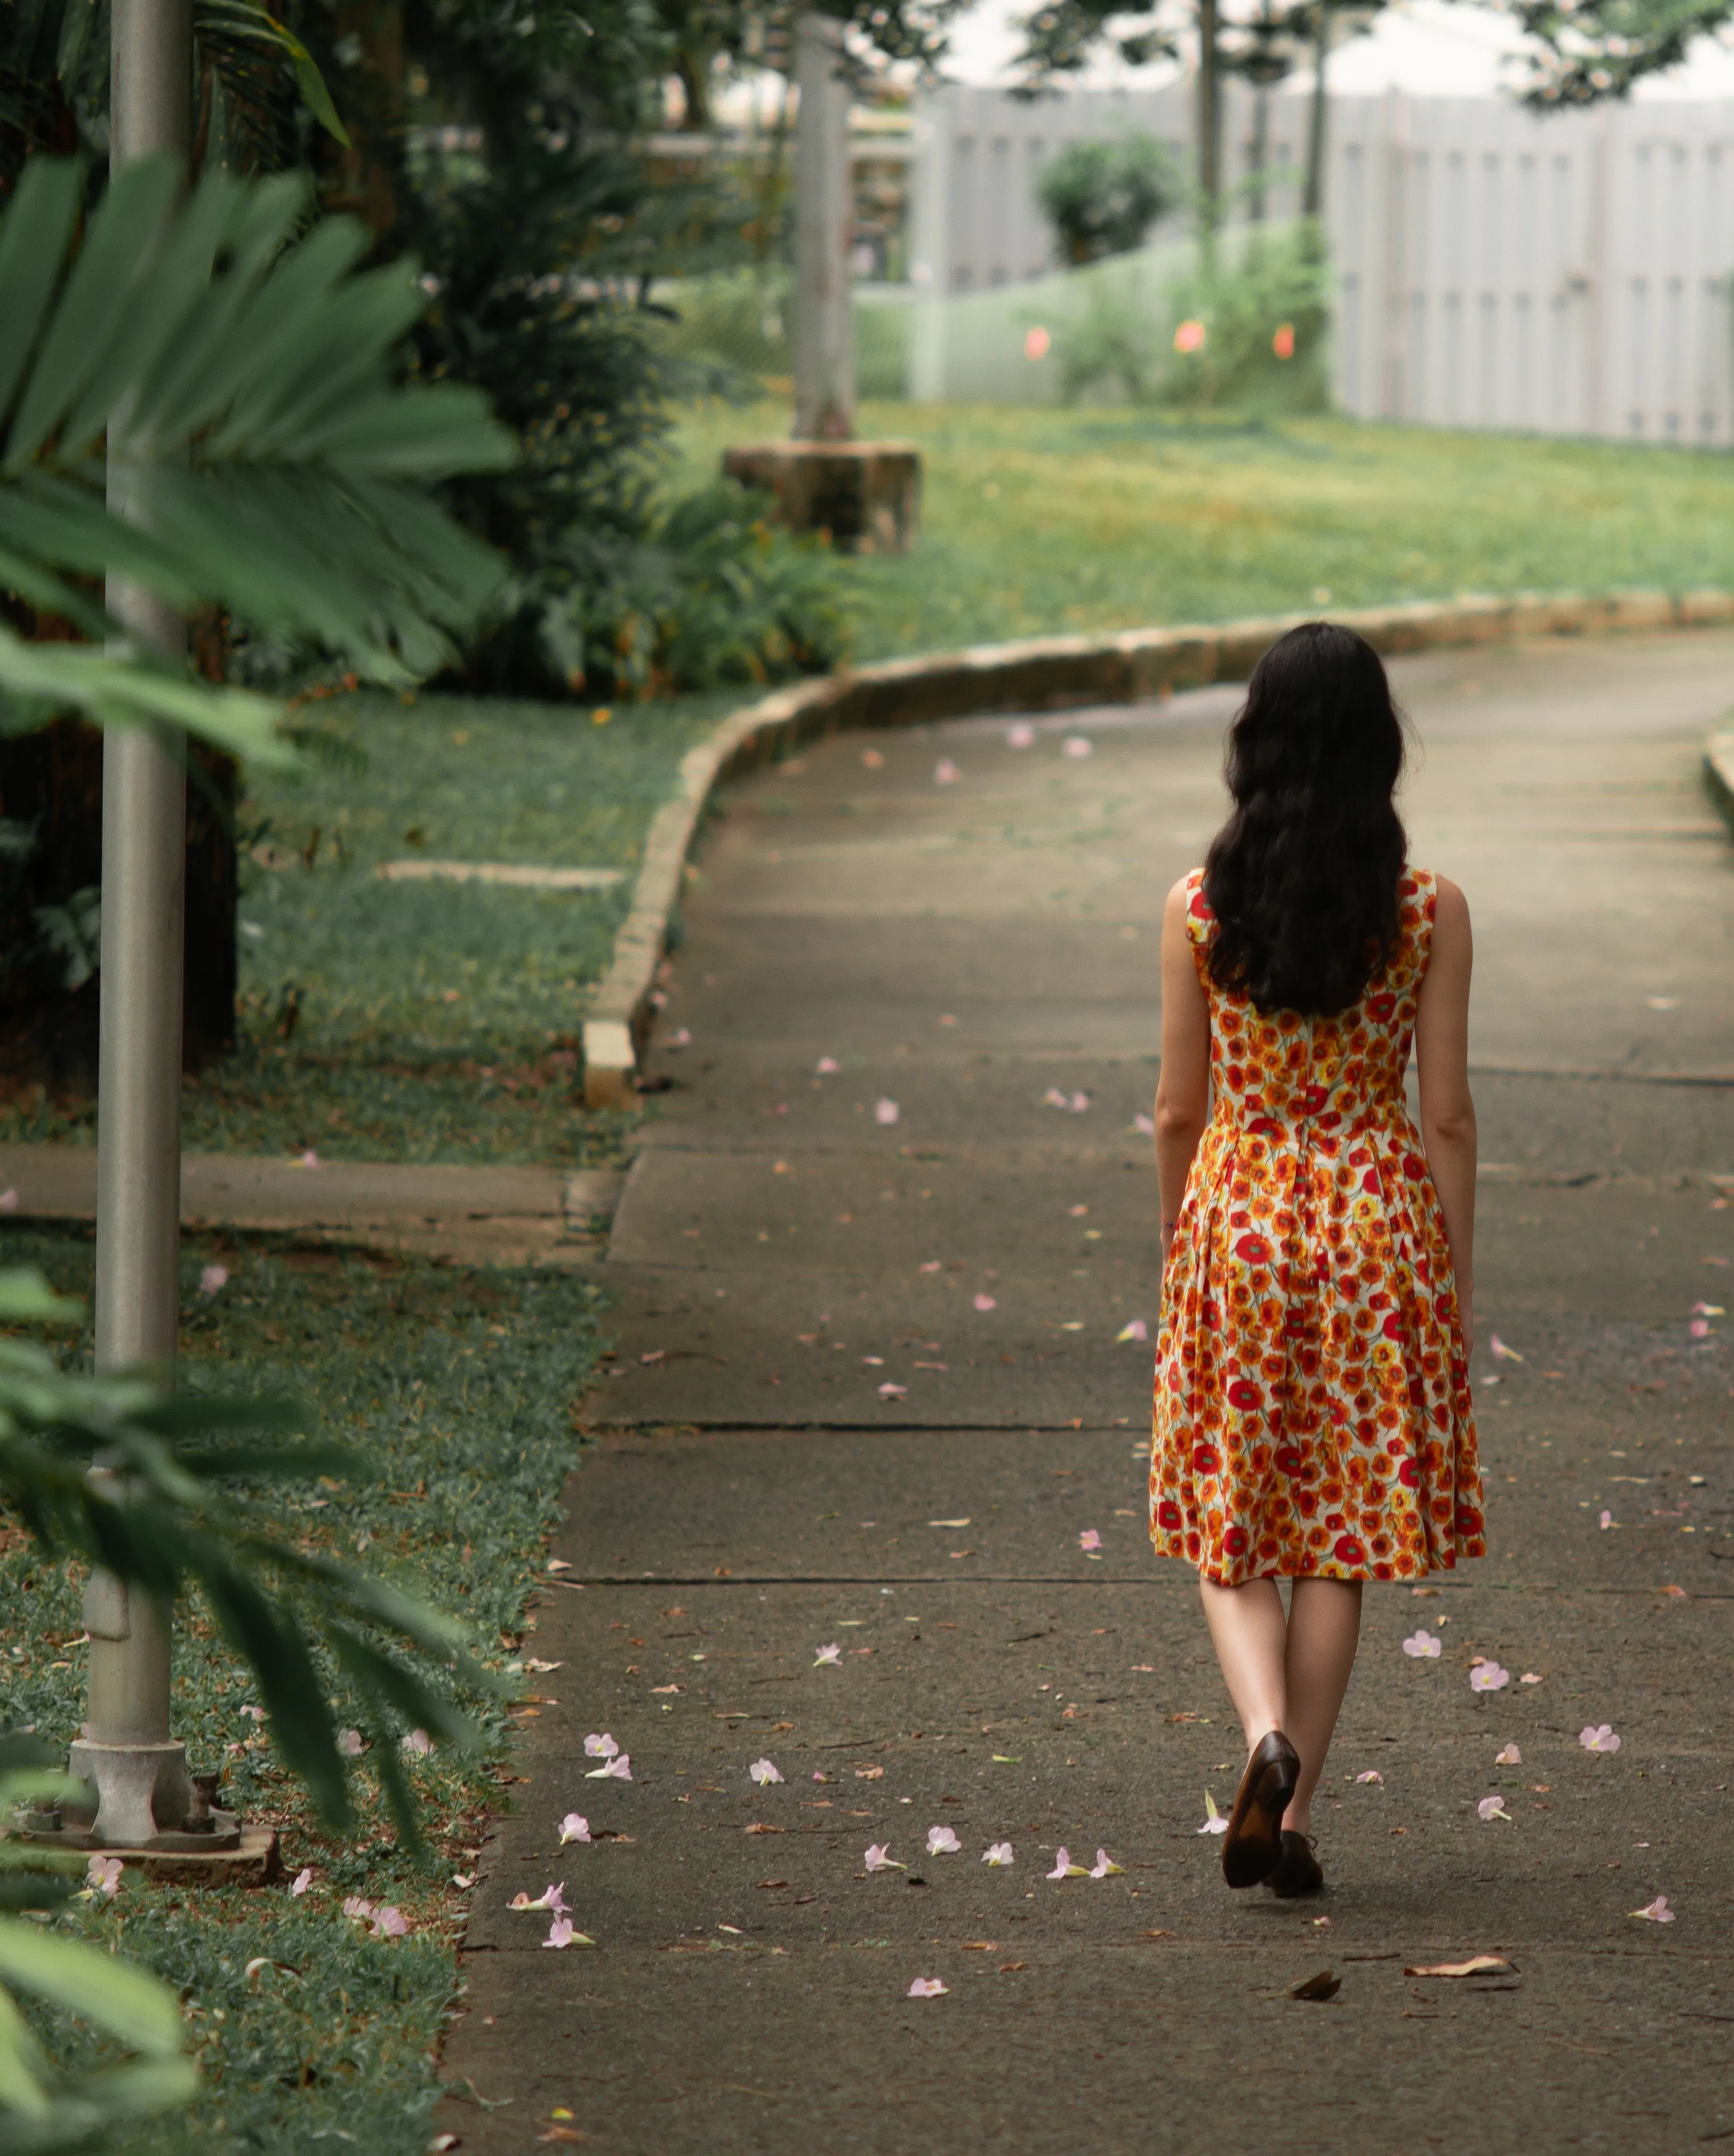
x,y
1252,1846
1297,1869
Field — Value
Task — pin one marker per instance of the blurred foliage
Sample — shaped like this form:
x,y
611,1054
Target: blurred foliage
x,y
1264,317
1102,196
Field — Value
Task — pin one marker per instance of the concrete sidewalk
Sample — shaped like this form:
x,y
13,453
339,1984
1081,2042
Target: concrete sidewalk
x,y
483,1215
873,1394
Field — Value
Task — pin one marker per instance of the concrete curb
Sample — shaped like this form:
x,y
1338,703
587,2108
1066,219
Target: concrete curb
x,y
1719,773
1043,672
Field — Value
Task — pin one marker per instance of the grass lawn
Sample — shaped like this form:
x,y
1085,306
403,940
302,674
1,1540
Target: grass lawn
x,y
460,1387
1036,519
427,1021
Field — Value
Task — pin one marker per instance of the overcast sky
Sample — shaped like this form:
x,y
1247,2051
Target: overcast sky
x,y
1431,47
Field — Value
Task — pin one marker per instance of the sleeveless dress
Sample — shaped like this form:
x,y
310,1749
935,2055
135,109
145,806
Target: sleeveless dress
x,y
1312,1412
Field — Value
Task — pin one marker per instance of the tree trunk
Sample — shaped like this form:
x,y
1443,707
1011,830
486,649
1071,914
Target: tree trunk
x,y
1312,201
824,218
51,783
1209,122
1261,150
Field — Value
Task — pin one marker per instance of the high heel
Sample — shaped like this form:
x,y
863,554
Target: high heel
x,y
1298,1871
1252,1846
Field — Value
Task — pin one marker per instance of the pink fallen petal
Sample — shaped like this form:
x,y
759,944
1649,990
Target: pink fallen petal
x,y
1510,1757
1023,734
832,1654
880,1859
1609,1521
889,1392
1489,1677
1493,1808
1090,1539
1598,1738
617,1769
551,1898
945,773
1424,1647
1104,1867
350,1744
1138,1330
1078,1103
886,1112
1063,1867
574,1827
986,1302
926,1987
1372,1775
932,1264
302,1881
1076,746
1215,1822
1656,1912
1700,1328
1144,1124
356,1907
1531,1676
104,1874
942,1841
309,1159
1500,1354
561,1933
599,1745
764,1772
827,1067
389,1923
418,1742
998,1853
212,1279
1054,1098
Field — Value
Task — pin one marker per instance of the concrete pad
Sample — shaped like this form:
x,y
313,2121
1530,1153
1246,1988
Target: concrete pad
x,y
510,1215
755,1500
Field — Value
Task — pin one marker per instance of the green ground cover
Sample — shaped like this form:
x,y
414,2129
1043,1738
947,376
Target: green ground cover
x,y
459,1387
427,1021
1040,519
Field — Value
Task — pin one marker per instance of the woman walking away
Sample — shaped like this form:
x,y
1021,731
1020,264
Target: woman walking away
x,y
1312,1416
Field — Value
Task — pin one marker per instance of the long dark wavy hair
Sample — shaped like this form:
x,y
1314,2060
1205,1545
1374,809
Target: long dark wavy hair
x,y
1303,877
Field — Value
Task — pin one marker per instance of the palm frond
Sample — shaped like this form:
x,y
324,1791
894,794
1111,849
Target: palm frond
x,y
177,1511
241,380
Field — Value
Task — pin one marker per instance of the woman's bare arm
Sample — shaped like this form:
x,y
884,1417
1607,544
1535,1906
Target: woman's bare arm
x,y
1447,1113
1183,1093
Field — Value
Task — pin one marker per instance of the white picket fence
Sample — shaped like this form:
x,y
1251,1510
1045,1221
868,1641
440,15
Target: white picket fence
x,y
1569,275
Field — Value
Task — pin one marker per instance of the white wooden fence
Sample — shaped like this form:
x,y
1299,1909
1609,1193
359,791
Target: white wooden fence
x,y
1569,275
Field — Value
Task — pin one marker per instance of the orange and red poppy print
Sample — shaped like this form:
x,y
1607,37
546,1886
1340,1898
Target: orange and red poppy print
x,y
1312,1413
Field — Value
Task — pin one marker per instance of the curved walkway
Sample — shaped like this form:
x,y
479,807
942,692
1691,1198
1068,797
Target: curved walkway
x,y
872,1393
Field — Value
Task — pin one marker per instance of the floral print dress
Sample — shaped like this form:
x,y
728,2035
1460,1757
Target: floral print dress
x,y
1312,1407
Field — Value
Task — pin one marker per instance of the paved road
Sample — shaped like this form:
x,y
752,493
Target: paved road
x,y
782,1255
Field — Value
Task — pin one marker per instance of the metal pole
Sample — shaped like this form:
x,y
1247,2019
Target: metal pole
x,y
824,221
139,1771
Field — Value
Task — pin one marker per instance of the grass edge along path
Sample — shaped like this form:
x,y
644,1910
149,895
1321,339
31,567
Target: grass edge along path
x,y
1045,520
460,1384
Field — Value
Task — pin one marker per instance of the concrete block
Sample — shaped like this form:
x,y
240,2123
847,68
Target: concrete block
x,y
1639,609
866,495
610,1062
1719,773
1159,662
